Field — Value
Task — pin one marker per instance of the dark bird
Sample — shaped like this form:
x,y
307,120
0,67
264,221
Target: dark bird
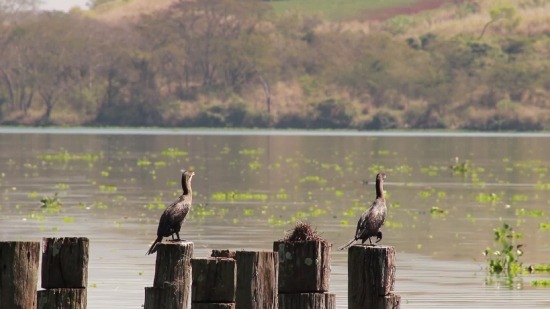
x,y
373,218
173,216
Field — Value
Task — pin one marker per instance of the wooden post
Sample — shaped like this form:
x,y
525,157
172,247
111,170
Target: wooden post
x,y
304,266
213,305
214,280
371,277
304,273
64,273
62,298
307,301
257,278
18,274
172,282
65,262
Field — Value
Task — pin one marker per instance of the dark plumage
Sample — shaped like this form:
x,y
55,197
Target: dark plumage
x,y
173,216
373,218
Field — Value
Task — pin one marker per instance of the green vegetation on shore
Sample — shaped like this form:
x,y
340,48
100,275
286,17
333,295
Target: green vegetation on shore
x,y
478,65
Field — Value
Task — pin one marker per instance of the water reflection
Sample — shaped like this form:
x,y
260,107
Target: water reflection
x,y
115,198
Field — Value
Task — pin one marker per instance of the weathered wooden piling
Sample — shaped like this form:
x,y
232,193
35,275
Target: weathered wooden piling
x,y
19,274
64,273
214,281
172,282
62,298
371,277
257,279
307,300
304,266
304,273
65,262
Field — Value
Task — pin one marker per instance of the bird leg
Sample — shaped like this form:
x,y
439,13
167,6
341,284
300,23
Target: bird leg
x,y
177,234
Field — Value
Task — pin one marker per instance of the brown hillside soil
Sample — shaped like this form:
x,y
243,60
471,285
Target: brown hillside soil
x,y
409,9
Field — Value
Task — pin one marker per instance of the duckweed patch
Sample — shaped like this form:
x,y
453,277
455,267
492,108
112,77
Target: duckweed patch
x,y
65,156
540,283
529,213
173,152
239,196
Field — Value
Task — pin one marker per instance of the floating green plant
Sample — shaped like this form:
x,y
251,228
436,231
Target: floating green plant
x,y
68,219
105,188
431,170
238,196
437,211
544,226
51,204
281,195
543,268
487,198
65,156
540,283
529,213
143,162
519,198
393,225
506,260
425,194
173,152
32,195
461,167
251,152
100,205
316,179
254,165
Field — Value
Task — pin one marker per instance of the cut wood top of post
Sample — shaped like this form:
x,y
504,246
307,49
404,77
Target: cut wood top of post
x,y
223,254
302,232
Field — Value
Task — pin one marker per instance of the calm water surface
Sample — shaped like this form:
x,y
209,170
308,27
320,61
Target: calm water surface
x,y
251,187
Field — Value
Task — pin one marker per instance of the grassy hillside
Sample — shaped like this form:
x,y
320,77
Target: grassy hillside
x,y
340,10
472,64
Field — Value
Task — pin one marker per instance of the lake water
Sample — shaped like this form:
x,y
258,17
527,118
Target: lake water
x,y
251,187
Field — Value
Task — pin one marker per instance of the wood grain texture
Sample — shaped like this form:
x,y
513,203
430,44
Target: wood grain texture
x,y
62,298
65,262
213,306
19,274
167,296
257,280
173,263
304,266
214,280
307,301
371,277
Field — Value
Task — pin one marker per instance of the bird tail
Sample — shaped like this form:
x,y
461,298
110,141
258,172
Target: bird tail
x,y
347,245
153,247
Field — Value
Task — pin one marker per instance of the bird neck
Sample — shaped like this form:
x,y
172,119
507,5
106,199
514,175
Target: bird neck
x,y
186,184
379,188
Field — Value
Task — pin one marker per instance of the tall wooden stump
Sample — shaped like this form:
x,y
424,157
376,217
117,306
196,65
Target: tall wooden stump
x,y
257,278
172,282
304,273
307,301
18,274
62,298
64,273
65,262
214,281
371,277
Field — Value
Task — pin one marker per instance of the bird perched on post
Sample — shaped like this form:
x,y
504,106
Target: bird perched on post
x,y
173,216
373,218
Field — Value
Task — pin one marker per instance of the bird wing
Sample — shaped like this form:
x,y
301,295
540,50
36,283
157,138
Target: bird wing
x,y
371,220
